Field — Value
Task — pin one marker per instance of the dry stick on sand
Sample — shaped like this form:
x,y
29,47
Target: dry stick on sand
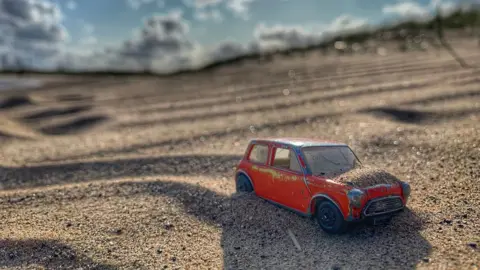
x,y
294,239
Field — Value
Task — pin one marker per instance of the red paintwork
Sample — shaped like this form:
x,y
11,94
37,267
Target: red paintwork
x,y
299,194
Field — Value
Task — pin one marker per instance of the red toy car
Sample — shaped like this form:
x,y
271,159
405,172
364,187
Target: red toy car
x,y
320,179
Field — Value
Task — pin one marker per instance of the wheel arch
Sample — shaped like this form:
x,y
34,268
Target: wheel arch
x,y
317,199
244,173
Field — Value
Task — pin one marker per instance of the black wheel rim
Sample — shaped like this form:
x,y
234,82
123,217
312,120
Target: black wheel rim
x,y
327,217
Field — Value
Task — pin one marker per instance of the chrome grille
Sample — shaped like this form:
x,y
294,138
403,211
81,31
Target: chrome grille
x,y
383,205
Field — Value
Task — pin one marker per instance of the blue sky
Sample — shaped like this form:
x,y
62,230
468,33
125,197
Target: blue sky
x,y
178,33
114,20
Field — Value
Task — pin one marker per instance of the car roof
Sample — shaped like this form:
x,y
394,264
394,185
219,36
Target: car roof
x,y
298,142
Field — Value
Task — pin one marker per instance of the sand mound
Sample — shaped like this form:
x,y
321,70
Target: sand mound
x,y
56,112
367,176
13,102
401,115
4,135
74,97
75,126
10,129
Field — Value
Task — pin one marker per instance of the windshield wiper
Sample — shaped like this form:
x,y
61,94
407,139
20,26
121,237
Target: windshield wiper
x,y
343,156
333,162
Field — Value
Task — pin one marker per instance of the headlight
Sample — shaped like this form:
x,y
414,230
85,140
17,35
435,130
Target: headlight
x,y
406,190
355,197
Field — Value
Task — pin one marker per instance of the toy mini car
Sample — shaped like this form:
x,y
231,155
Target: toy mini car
x,y
320,179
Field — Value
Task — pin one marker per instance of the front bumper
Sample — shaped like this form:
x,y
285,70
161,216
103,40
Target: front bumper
x,y
382,217
379,209
375,218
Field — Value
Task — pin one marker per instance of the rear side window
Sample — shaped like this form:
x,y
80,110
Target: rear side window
x,y
259,153
286,159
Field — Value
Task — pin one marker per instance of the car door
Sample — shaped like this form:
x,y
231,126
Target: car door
x,y
288,181
258,170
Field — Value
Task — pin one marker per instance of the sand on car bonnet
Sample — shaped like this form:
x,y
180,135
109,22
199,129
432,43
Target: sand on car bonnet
x,y
367,176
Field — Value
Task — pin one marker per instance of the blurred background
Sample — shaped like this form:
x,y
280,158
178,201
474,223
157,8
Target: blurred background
x,y
168,36
121,123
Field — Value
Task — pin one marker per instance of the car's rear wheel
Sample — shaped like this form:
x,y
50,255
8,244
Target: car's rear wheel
x,y
243,184
330,218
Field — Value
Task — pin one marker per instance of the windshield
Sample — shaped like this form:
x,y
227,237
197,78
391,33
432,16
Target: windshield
x,y
330,161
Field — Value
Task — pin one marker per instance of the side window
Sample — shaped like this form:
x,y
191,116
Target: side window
x,y
259,153
286,159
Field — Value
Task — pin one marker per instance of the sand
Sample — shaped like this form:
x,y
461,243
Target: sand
x,y
367,176
97,175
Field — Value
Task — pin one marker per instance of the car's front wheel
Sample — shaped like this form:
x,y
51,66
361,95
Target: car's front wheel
x,y
243,184
330,218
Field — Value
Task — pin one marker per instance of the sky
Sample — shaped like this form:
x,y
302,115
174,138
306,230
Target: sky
x,y
167,35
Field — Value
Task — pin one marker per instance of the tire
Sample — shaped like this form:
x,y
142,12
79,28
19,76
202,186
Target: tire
x,y
330,219
243,184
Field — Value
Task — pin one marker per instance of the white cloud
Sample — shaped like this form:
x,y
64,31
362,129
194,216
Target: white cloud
x,y
204,3
206,14
444,7
136,4
413,10
448,8
30,12
406,9
201,3
10,61
226,50
163,37
32,22
72,5
205,9
161,44
283,36
291,36
32,32
346,23
240,8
